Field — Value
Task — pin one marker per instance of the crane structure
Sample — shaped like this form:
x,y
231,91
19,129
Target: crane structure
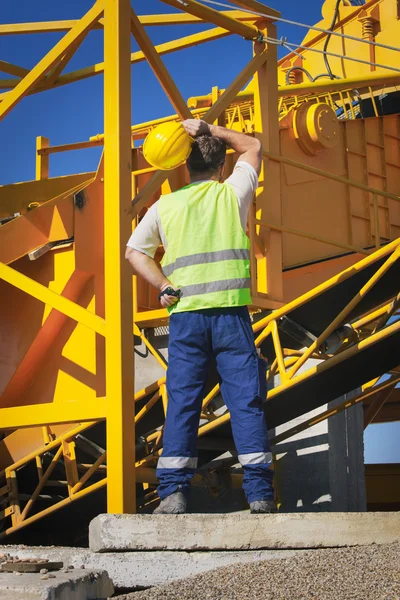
x,y
324,230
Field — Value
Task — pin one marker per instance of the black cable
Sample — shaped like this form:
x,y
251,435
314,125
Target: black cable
x,y
310,77
328,37
325,75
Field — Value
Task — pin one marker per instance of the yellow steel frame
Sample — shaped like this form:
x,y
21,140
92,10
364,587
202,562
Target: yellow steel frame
x,y
260,110
117,280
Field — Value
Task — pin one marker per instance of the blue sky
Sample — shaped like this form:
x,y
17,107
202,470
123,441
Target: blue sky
x,y
382,440
75,112
382,443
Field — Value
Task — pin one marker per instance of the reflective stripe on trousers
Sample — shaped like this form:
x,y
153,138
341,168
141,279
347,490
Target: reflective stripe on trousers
x,y
255,458
177,462
195,337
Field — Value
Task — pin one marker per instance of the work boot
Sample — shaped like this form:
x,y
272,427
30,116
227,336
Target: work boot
x,y
262,506
175,504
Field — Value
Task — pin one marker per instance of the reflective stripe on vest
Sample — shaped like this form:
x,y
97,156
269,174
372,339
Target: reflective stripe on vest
x,y
207,253
205,257
215,286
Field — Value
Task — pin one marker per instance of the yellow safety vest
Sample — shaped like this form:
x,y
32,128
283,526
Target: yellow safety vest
x,y
207,254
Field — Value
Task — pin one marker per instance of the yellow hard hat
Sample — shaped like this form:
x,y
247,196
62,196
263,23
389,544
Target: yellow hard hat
x,y
167,146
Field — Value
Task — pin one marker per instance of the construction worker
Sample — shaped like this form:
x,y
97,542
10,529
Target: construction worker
x,y
203,230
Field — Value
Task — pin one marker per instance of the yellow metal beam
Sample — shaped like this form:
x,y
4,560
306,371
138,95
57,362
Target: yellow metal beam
x,y
376,405
268,195
332,85
149,188
45,151
42,161
52,413
330,283
41,27
370,317
42,482
158,68
7,84
205,100
11,69
148,20
42,293
56,71
118,277
391,310
79,485
337,359
50,59
249,32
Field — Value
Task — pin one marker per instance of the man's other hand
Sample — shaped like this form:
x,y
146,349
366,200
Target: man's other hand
x,y
196,127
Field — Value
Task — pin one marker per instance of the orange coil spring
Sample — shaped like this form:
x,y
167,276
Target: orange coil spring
x,y
292,77
367,28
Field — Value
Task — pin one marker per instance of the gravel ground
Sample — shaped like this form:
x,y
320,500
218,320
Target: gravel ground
x,y
356,573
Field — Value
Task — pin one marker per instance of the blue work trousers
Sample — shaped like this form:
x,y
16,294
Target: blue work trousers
x,y
194,338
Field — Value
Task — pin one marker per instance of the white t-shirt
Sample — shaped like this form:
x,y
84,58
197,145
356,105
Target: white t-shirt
x,y
149,234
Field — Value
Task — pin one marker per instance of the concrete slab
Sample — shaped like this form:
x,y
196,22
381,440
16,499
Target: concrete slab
x,y
238,531
78,584
132,570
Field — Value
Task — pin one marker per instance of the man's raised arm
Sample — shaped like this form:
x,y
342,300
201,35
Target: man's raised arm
x,y
248,148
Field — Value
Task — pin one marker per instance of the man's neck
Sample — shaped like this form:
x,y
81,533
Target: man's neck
x,y
203,177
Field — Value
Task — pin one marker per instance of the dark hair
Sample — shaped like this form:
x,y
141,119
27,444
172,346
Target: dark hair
x,y
207,155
